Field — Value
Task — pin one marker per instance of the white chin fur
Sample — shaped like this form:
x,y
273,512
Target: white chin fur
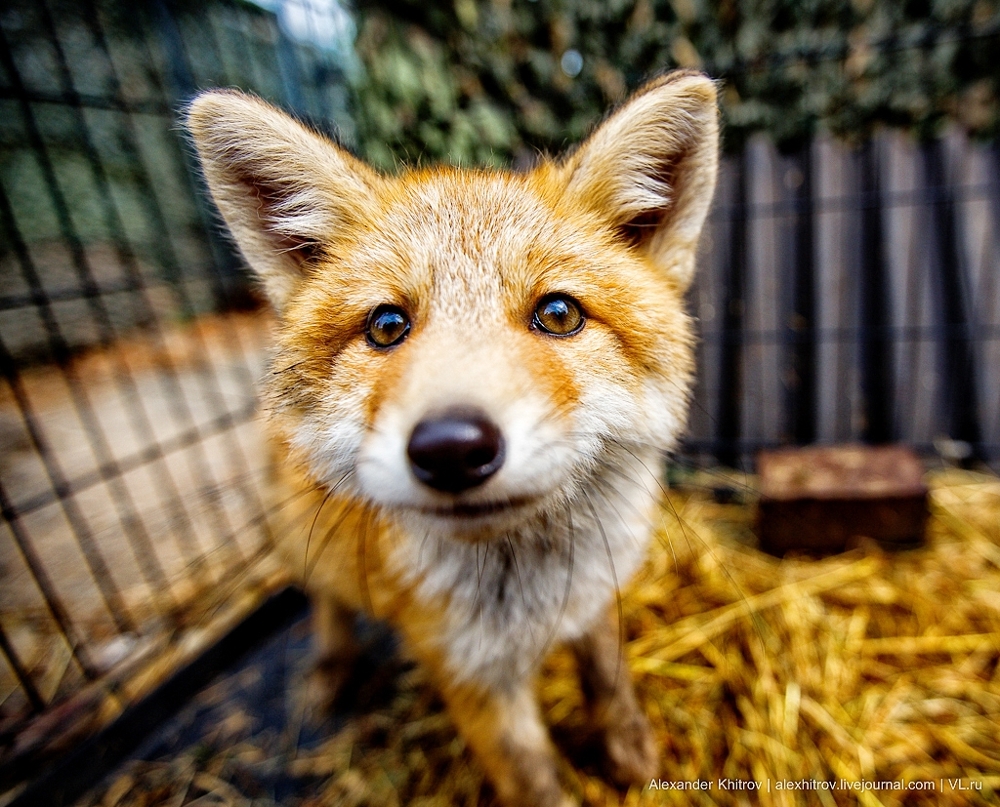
x,y
458,523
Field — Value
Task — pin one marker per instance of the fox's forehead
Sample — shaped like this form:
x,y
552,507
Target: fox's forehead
x,y
458,237
469,210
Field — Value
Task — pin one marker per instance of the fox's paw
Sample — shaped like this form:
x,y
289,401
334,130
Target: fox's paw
x,y
631,753
553,798
533,786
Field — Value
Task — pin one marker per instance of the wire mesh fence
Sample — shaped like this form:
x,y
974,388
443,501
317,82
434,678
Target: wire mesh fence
x,y
130,341
846,293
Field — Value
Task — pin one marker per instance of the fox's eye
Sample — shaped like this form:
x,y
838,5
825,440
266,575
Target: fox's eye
x,y
559,315
387,325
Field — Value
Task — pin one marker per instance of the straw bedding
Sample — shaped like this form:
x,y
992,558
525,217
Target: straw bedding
x,y
866,678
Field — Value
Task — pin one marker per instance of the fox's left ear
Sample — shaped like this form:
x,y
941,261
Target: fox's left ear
x,y
650,169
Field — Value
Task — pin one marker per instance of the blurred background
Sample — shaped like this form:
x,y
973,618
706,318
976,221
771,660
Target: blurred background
x,y
849,288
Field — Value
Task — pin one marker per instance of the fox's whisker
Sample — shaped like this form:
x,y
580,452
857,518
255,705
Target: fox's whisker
x,y
520,585
554,630
479,587
706,545
363,560
319,509
421,545
324,543
614,577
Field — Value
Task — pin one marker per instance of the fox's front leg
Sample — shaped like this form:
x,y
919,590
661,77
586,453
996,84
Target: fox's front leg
x,y
505,731
629,747
336,646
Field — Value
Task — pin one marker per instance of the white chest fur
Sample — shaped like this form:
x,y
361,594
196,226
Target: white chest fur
x,y
508,600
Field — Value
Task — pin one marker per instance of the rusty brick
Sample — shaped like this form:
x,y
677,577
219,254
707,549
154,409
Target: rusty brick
x,y
822,499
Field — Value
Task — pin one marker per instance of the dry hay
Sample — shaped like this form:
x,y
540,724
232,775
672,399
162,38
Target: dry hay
x,y
861,669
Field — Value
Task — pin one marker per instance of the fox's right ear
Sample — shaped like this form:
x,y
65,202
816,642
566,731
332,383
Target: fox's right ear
x,y
649,169
286,193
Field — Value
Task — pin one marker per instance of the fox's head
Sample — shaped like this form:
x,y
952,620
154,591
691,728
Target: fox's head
x,y
468,348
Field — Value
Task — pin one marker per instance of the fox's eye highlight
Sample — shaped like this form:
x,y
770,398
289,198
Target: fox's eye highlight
x,y
387,326
559,315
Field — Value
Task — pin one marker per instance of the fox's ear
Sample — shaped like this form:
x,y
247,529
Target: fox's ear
x,y
285,192
650,169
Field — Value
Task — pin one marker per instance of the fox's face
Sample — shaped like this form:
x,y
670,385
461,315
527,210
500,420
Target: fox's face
x,y
467,350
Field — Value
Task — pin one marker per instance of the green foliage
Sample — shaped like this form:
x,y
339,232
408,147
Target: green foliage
x,y
482,81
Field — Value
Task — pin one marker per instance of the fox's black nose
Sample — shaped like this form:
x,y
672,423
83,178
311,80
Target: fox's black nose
x,y
456,450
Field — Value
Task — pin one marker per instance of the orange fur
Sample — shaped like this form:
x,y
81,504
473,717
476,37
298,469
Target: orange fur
x,y
483,484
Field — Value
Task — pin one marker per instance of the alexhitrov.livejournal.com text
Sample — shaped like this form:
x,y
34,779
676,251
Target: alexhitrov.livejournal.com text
x,y
769,785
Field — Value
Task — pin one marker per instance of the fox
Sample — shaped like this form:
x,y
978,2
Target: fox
x,y
475,378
